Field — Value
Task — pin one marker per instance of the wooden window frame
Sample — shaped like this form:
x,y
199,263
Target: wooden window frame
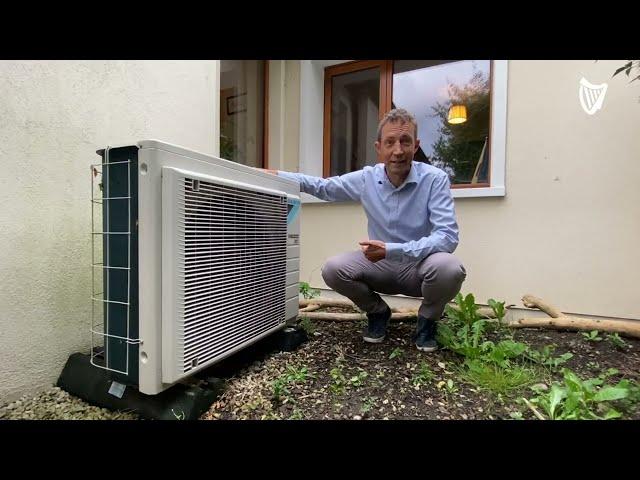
x,y
385,102
386,75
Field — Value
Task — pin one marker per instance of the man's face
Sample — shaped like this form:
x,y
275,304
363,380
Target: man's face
x,y
397,147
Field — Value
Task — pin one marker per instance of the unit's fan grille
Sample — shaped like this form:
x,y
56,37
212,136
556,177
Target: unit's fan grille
x,y
231,268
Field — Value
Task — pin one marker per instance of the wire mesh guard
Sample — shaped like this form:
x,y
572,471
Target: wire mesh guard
x,y
113,272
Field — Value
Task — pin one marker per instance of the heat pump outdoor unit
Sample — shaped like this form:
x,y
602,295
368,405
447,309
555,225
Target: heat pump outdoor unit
x,y
194,259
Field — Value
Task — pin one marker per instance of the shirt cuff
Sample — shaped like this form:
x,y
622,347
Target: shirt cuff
x,y
393,251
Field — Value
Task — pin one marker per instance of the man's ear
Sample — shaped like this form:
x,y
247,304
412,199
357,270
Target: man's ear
x,y
377,145
417,146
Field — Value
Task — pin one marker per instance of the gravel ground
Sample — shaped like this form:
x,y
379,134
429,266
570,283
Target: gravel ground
x,y
56,404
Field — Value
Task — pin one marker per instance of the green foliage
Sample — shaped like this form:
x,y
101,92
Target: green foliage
x,y
447,386
340,382
577,399
517,415
279,389
296,415
502,352
592,336
307,325
293,375
500,365
616,341
358,379
497,379
368,404
464,329
297,374
396,353
338,386
545,357
465,333
308,292
627,68
592,365
498,308
633,397
228,148
423,375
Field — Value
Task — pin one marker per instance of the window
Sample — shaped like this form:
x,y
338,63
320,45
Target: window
x,y
356,97
243,111
451,101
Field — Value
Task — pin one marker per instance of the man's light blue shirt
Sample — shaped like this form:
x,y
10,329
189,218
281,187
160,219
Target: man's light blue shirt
x,y
414,220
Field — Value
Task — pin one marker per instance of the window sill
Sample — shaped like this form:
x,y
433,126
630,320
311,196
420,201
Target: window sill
x,y
478,192
306,198
455,192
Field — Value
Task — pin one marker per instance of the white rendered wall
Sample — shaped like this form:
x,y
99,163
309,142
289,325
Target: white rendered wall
x,y
54,115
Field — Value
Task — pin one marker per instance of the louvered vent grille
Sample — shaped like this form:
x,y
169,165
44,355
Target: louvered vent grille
x,y
231,268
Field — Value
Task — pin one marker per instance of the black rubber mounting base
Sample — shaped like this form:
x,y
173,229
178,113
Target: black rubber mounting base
x,y
181,401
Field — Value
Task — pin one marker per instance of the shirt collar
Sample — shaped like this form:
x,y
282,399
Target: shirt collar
x,y
413,174
411,178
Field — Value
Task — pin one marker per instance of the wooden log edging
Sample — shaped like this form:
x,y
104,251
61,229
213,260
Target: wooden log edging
x,y
557,320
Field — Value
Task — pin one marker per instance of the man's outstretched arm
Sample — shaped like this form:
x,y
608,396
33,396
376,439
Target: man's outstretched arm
x,y
340,188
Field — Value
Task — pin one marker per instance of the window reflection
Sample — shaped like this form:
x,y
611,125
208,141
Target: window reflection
x,y
242,111
451,102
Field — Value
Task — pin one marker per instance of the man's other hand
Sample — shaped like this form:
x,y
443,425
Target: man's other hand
x,y
272,172
374,250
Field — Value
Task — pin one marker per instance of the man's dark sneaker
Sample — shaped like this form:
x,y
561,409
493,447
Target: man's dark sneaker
x,y
377,328
426,335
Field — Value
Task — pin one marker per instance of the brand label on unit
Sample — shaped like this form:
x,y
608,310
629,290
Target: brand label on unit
x,y
294,239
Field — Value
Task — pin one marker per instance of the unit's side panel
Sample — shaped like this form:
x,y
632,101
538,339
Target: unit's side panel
x,y
172,239
293,257
150,270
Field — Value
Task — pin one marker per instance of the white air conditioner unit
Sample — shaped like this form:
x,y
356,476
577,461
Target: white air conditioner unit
x,y
200,258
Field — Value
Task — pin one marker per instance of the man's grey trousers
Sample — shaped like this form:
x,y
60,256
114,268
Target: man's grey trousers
x,y
437,279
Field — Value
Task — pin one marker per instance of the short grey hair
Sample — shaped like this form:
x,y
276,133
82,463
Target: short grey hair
x,y
397,115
